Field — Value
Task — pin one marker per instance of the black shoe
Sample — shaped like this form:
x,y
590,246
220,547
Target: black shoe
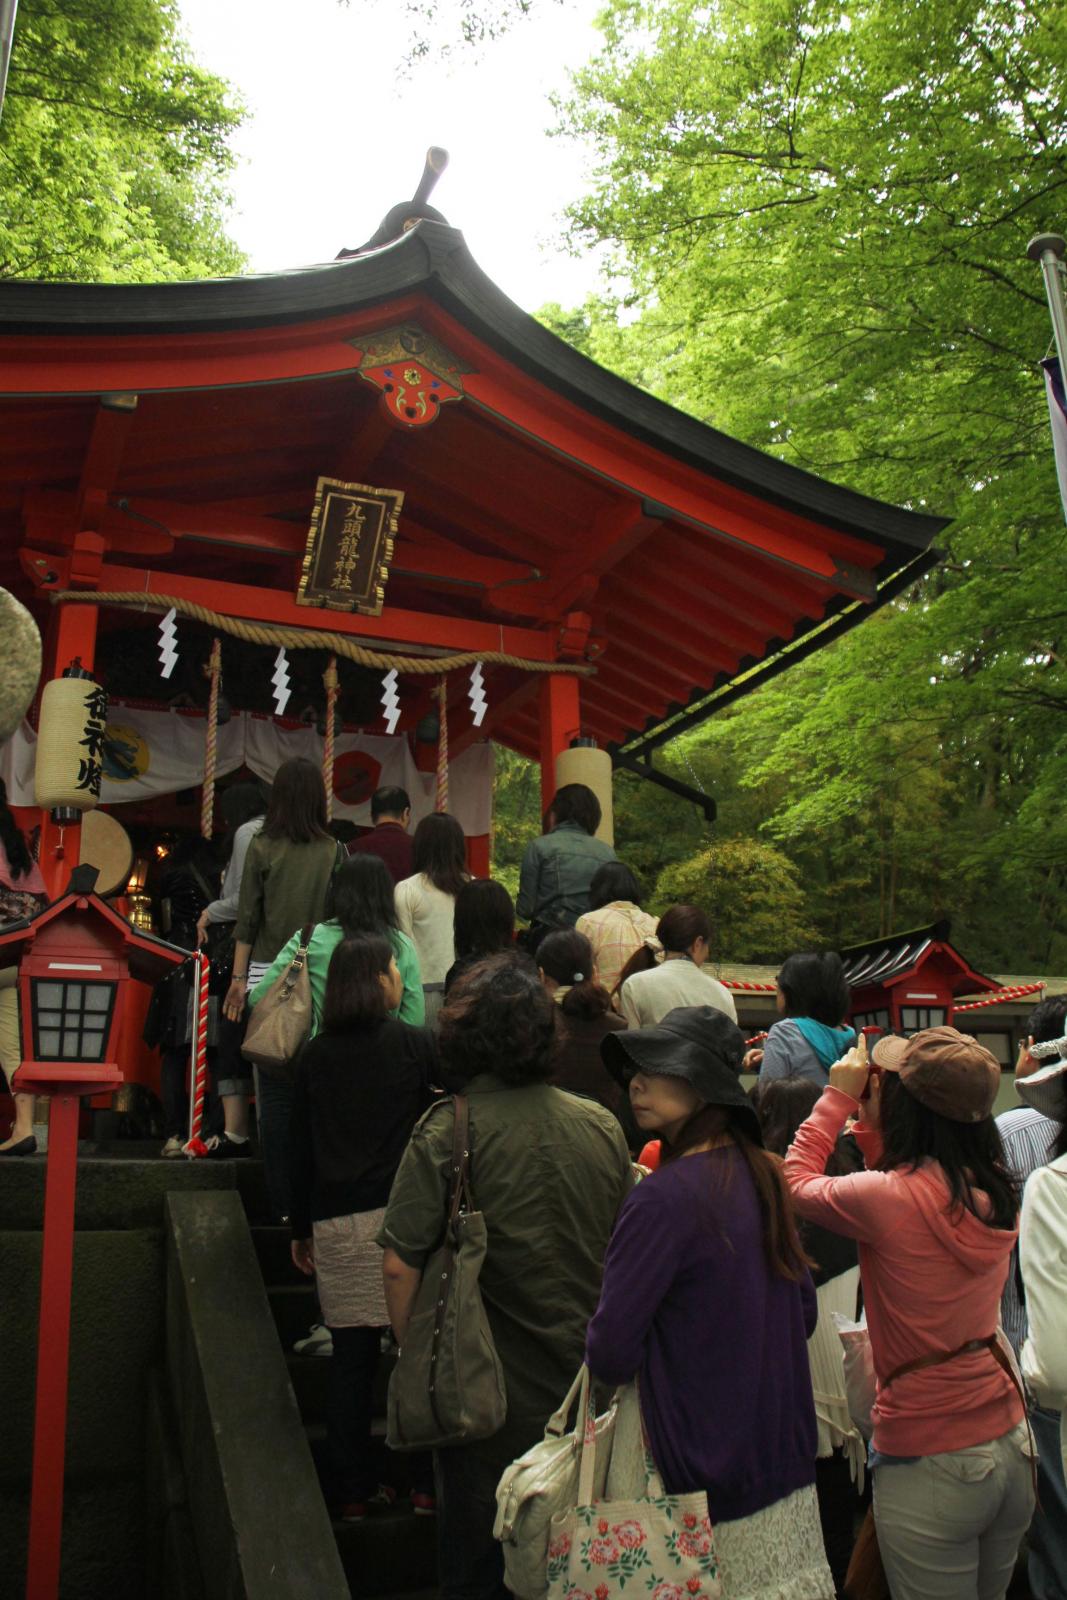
x,y
226,1149
25,1147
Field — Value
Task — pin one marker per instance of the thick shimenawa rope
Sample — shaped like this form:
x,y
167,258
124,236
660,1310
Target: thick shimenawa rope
x,y
329,679
441,795
213,671
315,638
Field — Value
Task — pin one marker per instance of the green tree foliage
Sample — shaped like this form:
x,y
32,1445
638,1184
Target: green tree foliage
x,y
819,216
113,152
753,893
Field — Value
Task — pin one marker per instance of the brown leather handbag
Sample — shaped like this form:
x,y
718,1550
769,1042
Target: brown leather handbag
x,y
279,1024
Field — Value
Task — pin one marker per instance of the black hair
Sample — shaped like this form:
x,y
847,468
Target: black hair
x,y
1048,1020
484,920
815,986
15,847
782,1105
969,1154
614,881
354,992
677,931
576,802
389,802
297,809
440,852
241,803
567,957
360,896
498,1019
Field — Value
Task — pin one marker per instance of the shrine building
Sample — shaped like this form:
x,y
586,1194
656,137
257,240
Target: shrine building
x,y
619,569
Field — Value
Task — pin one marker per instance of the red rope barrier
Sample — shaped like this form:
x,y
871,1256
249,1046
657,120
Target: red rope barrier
x,y
198,1087
750,988
1015,992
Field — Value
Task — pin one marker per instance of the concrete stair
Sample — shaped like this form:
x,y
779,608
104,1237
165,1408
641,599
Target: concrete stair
x,y
391,1552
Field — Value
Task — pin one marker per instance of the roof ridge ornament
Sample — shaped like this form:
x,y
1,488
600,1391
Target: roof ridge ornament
x,y
399,219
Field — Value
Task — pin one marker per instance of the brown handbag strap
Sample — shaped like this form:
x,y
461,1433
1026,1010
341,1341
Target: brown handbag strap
x,y
296,966
459,1173
461,1156
939,1357
996,1350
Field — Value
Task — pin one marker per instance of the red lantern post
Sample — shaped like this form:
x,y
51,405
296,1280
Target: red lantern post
x,y
76,960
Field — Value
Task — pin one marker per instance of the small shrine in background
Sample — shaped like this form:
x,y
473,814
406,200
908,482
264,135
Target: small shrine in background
x,y
910,980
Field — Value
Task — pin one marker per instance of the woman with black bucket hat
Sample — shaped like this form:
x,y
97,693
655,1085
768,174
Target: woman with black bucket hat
x,y
935,1218
707,1301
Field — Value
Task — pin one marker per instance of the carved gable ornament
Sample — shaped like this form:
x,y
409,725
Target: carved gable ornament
x,y
413,372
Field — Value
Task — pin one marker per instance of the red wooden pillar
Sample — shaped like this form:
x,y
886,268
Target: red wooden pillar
x,y
478,862
71,636
560,723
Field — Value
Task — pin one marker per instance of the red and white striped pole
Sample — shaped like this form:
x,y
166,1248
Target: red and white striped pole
x,y
198,1087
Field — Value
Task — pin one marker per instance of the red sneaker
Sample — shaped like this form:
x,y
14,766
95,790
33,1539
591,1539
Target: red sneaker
x,y
352,1511
423,1505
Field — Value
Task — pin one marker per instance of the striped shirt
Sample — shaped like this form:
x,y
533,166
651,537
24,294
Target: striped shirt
x,y
1028,1139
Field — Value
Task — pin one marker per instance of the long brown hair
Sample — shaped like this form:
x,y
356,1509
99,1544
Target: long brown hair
x,y
677,931
439,852
297,809
785,1254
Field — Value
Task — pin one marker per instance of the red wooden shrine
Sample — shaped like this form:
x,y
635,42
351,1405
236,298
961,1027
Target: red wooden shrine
x,y
910,980
167,439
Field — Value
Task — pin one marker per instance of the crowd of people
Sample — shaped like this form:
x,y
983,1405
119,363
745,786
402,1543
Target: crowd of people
x,y
648,1215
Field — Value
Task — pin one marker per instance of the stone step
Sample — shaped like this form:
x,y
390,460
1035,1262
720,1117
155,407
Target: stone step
x,y
271,1241
389,1553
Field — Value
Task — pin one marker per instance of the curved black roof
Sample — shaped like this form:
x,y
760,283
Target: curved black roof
x,y
433,258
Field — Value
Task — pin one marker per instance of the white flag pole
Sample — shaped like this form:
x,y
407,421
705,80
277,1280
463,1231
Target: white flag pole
x,y
1048,249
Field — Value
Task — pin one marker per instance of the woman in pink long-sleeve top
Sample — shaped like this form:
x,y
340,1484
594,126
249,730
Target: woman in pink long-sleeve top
x,y
935,1219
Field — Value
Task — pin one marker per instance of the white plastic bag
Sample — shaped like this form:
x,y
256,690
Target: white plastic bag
x,y
860,1384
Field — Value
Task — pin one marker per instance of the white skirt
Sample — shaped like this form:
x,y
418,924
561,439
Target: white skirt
x,y
776,1553
348,1270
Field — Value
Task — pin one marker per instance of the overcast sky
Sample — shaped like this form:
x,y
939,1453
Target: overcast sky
x,y
337,133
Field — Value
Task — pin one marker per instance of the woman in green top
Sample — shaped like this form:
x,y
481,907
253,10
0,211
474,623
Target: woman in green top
x,y
360,901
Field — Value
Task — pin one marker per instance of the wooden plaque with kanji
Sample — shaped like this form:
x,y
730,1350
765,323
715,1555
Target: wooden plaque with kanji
x,y
349,547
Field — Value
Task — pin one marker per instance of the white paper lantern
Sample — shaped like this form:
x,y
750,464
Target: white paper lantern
x,y
70,744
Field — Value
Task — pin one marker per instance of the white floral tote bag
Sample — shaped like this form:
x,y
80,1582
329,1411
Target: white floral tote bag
x,y
658,1547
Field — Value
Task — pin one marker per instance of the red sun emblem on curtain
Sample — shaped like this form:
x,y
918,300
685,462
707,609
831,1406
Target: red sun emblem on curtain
x,y
356,775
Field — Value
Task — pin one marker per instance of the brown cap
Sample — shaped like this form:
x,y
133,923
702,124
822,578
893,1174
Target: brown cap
x,y
948,1072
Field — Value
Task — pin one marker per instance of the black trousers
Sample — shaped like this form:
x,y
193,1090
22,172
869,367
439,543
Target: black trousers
x,y
174,1071
348,1423
470,1560
838,1508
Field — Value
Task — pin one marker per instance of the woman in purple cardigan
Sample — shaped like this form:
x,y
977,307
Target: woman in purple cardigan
x,y
707,1301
